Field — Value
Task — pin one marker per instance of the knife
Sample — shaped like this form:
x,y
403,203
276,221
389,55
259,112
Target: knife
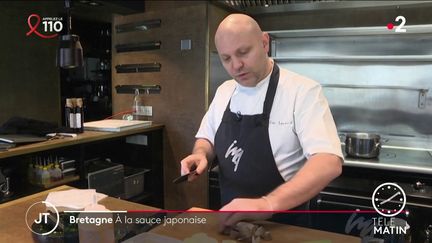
x,y
184,177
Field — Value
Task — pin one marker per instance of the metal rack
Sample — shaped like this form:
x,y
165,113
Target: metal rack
x,y
143,89
388,58
140,46
137,68
422,91
138,26
343,44
348,31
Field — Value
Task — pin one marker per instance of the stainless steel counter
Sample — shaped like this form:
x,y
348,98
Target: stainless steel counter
x,y
396,159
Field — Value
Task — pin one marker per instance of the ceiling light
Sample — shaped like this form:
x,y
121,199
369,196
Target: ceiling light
x,y
70,52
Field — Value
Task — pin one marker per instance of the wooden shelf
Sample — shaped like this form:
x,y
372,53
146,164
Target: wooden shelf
x,y
63,181
85,146
86,137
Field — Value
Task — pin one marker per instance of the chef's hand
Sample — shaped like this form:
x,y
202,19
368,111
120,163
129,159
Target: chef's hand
x,y
198,161
234,214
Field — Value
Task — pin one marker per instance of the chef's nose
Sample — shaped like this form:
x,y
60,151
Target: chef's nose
x,y
237,63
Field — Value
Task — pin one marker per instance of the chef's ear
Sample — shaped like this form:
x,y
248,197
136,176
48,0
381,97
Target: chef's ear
x,y
265,41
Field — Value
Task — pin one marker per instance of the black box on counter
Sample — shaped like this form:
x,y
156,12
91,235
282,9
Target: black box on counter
x,y
66,164
105,176
69,172
134,181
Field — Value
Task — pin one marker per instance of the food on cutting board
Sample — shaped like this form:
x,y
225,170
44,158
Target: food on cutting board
x,y
247,232
199,238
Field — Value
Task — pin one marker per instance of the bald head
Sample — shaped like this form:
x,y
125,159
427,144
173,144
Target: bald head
x,y
239,24
243,48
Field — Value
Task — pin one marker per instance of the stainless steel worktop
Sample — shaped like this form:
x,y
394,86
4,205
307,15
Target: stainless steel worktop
x,y
396,159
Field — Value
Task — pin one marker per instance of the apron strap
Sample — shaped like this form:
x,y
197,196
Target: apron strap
x,y
271,91
268,102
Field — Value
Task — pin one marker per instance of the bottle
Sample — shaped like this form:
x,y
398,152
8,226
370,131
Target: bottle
x,y
45,175
73,116
136,105
30,173
51,169
38,173
58,175
79,116
69,114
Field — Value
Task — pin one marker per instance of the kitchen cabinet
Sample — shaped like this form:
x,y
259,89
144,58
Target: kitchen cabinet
x,y
118,147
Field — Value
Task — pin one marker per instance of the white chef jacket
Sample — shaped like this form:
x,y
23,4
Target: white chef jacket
x,y
300,125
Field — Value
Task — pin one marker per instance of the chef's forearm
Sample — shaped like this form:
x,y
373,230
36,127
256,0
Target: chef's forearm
x,y
316,174
204,146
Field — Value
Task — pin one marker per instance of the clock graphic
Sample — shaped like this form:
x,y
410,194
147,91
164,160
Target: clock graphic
x,y
389,199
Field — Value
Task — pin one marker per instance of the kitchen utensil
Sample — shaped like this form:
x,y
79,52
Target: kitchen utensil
x,y
184,177
362,145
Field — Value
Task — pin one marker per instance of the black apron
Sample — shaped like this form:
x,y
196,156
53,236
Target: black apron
x,y
246,163
247,168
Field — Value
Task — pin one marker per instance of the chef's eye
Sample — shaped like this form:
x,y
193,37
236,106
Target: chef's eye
x,y
243,52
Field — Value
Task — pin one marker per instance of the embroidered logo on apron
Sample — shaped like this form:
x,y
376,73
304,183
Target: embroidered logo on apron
x,y
236,154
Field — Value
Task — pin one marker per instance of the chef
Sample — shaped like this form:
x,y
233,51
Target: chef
x,y
271,130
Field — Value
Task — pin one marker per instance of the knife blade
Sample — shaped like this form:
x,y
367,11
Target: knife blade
x,y
184,177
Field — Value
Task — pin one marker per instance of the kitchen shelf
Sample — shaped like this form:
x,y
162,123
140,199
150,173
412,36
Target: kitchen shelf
x,y
143,89
422,97
63,181
92,145
352,44
102,71
138,26
396,159
295,7
349,31
354,86
140,46
382,58
137,68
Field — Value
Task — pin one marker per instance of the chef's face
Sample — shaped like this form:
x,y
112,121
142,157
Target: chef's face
x,y
244,56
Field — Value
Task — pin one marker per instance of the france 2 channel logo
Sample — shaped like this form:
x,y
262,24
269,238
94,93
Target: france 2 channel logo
x,y
399,28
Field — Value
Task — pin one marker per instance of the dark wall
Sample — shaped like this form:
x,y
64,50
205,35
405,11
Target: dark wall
x,y
29,79
181,104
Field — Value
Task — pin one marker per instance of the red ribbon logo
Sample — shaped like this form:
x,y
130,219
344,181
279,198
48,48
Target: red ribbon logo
x,y
33,28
